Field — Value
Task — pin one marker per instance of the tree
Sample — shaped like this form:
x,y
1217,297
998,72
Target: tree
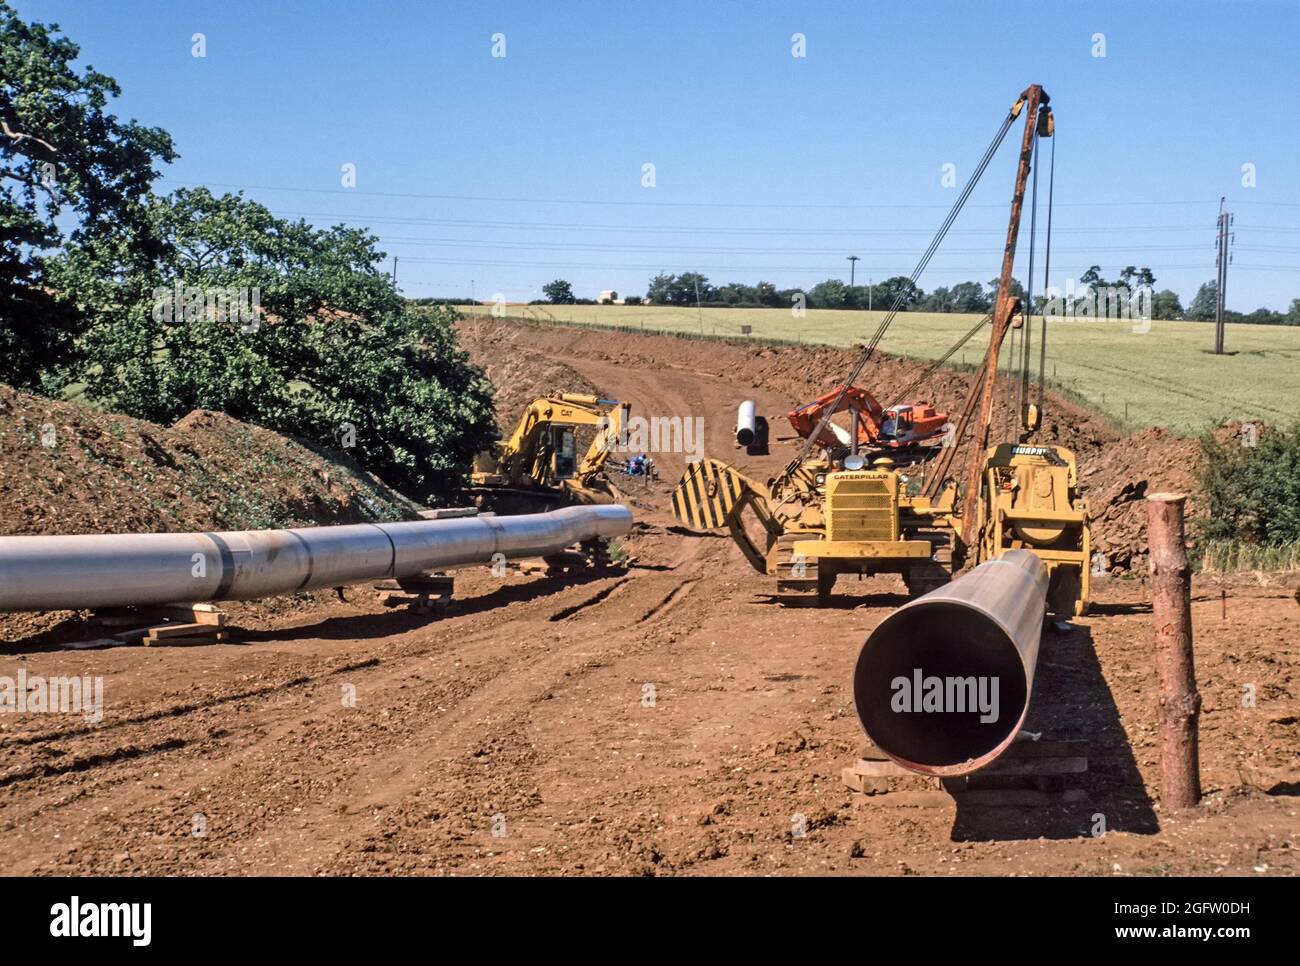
x,y
830,294
62,156
900,289
1166,305
280,324
1132,278
1016,290
690,286
970,297
660,289
559,292
1205,303
1252,493
768,295
939,300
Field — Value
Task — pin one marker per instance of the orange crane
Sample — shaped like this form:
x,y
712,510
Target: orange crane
x,y
904,426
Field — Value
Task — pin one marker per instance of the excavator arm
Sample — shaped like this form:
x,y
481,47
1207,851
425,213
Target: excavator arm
x,y
904,426
808,417
611,433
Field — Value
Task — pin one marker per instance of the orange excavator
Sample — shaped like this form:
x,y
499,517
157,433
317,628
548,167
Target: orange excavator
x,y
906,426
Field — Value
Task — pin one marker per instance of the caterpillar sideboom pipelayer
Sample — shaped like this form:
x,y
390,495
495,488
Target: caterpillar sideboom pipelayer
x,y
848,509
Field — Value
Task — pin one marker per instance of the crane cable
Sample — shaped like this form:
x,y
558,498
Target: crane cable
x,y
931,369
1026,327
897,305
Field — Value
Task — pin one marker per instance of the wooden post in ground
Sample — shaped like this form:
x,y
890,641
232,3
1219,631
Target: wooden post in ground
x,y
1171,608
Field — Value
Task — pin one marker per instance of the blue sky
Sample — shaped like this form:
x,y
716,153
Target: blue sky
x,y
504,173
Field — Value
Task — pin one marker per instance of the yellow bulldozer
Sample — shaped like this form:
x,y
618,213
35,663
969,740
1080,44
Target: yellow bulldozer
x,y
538,467
851,511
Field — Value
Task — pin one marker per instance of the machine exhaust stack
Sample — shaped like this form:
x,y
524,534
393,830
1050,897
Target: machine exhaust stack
x,y
133,569
942,685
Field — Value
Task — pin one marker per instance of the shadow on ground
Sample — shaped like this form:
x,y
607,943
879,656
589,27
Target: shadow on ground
x,y
1072,702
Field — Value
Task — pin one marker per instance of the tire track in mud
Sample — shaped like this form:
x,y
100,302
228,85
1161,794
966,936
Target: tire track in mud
x,y
239,734
261,724
673,598
493,718
177,710
600,596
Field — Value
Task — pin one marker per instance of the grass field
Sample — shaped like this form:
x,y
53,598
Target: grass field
x,y
1164,377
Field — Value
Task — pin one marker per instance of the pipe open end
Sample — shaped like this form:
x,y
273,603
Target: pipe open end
x,y
940,688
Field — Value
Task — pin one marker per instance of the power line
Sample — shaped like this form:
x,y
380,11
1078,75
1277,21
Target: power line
x,y
665,204
711,229
425,241
756,269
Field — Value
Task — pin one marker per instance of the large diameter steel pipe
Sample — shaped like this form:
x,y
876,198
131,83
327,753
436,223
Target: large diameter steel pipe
x,y
115,570
942,685
746,427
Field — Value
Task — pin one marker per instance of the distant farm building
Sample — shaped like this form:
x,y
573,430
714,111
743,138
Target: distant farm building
x,y
609,296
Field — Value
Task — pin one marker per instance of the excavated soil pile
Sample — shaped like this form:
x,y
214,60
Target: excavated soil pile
x,y
517,377
1122,476
67,468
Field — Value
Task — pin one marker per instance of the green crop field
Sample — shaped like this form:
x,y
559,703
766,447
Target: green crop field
x,y
1163,377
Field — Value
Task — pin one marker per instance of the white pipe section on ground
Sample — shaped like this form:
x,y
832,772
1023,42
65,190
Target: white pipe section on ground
x,y
117,570
745,423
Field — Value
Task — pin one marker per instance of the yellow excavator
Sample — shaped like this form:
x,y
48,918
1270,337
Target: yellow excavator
x,y
846,511
538,467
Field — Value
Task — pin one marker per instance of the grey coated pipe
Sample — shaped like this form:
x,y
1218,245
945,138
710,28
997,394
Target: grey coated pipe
x,y
942,685
114,570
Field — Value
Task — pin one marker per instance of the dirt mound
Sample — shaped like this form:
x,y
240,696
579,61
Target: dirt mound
x,y
1121,477
517,376
67,468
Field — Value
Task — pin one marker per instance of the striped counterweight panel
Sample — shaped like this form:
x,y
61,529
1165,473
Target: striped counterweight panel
x,y
707,494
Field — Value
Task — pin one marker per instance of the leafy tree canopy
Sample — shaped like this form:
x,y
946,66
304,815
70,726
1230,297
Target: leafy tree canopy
x,y
281,324
63,156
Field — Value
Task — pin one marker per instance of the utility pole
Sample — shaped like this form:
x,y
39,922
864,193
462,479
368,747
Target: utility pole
x,y
869,295
699,308
394,271
853,265
1223,259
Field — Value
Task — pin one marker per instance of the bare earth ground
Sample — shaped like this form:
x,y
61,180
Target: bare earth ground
x,y
523,711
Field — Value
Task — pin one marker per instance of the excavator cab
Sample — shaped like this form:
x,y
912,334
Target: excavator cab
x,y
896,426
564,453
